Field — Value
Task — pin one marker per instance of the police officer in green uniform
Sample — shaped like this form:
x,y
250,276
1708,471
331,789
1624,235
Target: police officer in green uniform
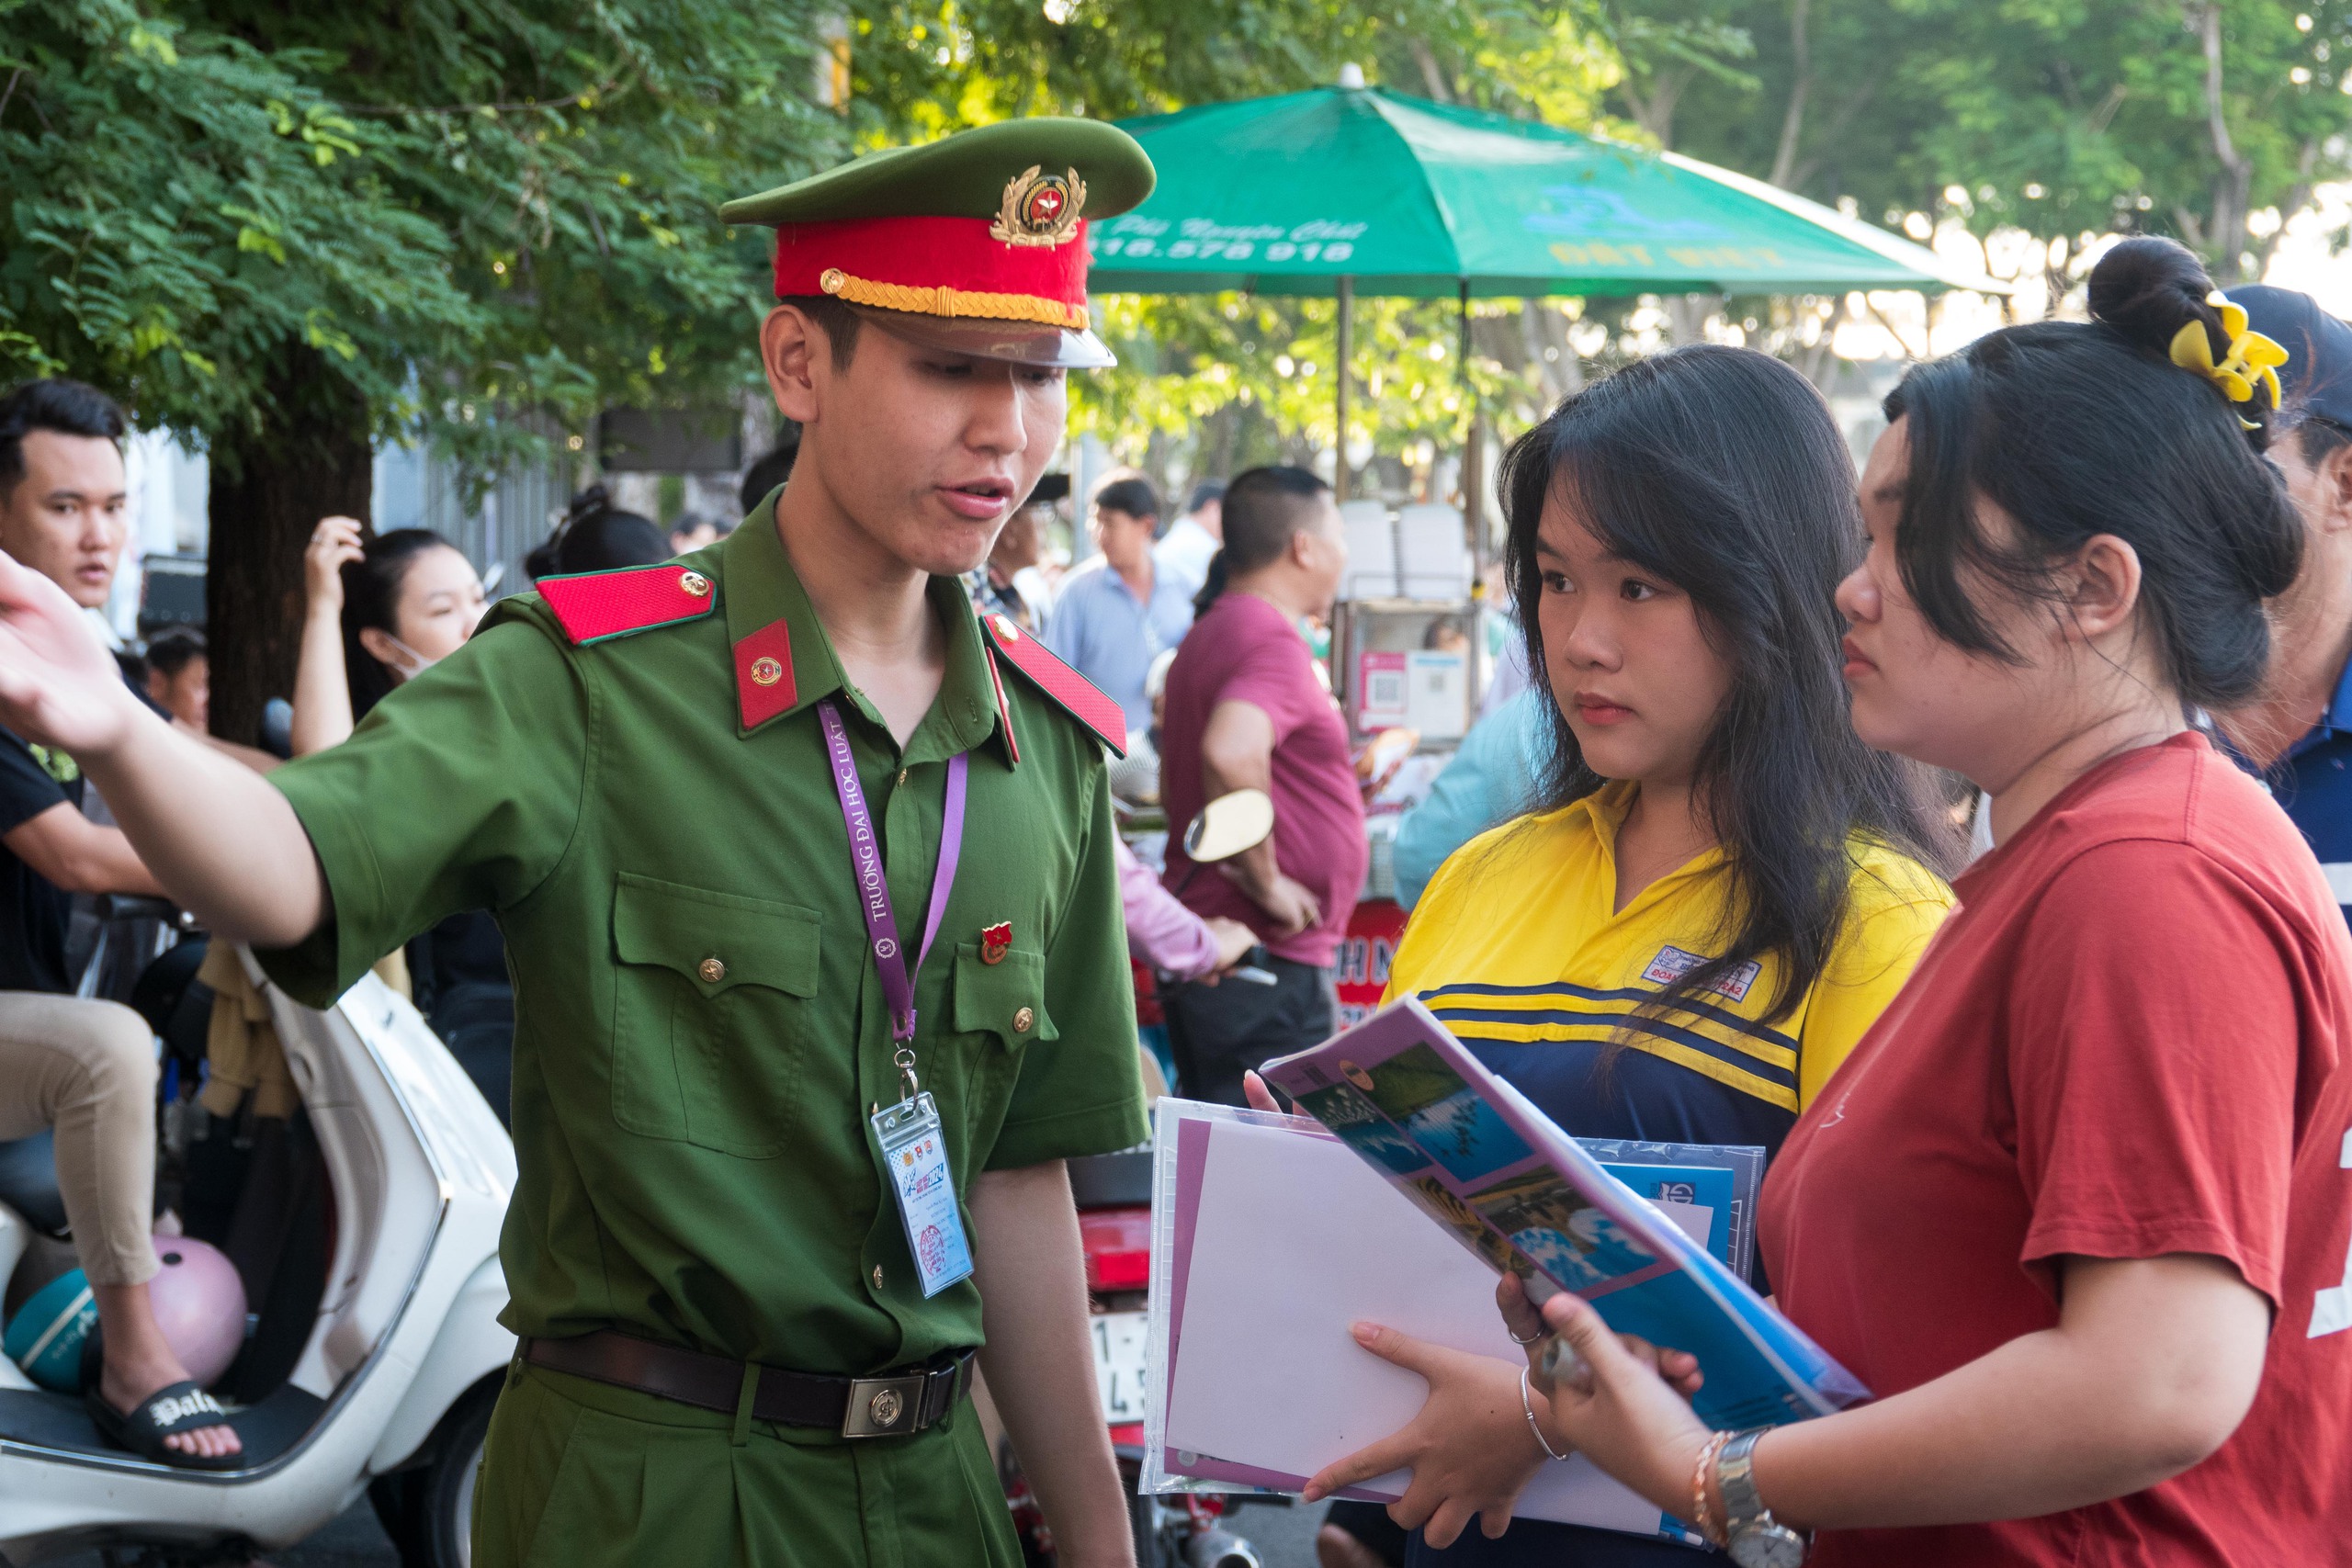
x,y
806,876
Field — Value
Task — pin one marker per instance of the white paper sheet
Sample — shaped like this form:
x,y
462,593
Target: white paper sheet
x,y
1297,1239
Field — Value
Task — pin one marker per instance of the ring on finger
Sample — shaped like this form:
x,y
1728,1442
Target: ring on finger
x,y
1529,1340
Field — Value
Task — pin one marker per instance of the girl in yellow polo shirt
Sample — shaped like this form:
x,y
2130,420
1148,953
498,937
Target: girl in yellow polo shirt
x,y
1723,889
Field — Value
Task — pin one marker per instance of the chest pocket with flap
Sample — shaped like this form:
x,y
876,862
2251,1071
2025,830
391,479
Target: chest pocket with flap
x,y
1003,1005
1006,999
710,1014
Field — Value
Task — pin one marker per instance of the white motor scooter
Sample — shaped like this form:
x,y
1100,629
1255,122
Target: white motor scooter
x,y
403,1359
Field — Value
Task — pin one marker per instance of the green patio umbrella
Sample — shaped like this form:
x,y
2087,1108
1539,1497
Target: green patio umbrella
x,y
1288,195
1348,189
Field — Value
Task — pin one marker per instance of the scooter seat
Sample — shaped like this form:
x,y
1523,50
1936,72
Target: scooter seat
x,y
28,1181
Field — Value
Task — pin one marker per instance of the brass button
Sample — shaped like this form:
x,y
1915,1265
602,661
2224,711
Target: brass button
x,y
766,671
712,970
877,1276
1006,629
902,778
696,583
1023,1019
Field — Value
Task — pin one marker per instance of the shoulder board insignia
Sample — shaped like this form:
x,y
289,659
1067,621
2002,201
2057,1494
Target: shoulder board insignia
x,y
595,606
1046,671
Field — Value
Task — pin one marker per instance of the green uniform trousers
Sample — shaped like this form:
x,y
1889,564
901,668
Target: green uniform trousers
x,y
581,1475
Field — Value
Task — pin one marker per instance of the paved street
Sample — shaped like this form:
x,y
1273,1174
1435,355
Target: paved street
x,y
1285,1537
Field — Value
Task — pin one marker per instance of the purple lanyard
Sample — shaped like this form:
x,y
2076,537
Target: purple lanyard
x,y
874,882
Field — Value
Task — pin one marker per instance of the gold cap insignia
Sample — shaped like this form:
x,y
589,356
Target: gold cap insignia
x,y
1039,208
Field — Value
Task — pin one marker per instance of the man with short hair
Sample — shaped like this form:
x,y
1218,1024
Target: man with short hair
x,y
799,1055
1118,612
179,677
1244,710
2298,731
84,1069
1196,537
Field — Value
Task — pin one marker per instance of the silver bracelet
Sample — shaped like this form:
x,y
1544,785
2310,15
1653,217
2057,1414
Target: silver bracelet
x,y
1527,1407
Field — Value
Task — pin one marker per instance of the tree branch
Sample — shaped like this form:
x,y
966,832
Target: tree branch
x,y
1879,316
1800,87
1431,78
2235,181
610,88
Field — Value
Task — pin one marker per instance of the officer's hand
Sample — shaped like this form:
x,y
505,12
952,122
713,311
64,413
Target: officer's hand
x,y
332,543
59,685
1469,1449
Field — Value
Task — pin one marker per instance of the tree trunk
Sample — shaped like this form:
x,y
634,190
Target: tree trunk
x,y
308,458
2225,237
1784,158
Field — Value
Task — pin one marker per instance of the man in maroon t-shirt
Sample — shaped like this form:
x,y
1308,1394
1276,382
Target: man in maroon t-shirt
x,y
1246,711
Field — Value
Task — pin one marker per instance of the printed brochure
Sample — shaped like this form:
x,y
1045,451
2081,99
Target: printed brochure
x,y
1476,1155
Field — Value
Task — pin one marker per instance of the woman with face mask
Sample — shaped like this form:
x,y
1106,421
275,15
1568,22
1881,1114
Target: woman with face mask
x,y
2077,1209
1720,887
379,613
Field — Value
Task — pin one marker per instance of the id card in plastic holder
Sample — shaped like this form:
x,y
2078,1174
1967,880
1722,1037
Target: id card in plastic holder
x,y
917,1156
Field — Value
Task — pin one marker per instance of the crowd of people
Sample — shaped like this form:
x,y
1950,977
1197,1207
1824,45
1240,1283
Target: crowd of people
x,y
2057,1120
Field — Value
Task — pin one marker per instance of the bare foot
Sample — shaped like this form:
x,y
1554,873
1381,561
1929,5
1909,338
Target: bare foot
x,y
139,1362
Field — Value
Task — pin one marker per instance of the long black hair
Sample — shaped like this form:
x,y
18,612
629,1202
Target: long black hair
x,y
372,597
1721,471
2081,428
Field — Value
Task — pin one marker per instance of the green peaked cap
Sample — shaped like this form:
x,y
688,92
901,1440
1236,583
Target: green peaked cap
x,y
963,176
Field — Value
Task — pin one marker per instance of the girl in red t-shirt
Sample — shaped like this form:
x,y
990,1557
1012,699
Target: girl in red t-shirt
x,y
2077,1209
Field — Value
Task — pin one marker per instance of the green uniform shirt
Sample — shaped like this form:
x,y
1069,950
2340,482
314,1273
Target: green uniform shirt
x,y
696,1160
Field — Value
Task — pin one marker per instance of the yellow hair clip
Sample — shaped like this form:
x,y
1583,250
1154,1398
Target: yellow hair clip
x,y
2253,359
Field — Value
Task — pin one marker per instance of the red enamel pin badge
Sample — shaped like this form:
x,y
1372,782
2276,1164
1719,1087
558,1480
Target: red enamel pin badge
x,y
996,941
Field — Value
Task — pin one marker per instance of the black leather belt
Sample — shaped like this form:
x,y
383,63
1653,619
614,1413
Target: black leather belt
x,y
893,1405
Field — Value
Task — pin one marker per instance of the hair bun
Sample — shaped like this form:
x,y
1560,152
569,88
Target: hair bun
x,y
2147,288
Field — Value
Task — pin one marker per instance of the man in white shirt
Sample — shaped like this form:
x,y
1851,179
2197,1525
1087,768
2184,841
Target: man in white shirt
x,y
1197,535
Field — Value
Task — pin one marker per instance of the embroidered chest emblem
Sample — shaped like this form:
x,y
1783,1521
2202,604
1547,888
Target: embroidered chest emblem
x,y
1673,962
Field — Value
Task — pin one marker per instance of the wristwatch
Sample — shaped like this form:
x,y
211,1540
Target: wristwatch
x,y
1753,1537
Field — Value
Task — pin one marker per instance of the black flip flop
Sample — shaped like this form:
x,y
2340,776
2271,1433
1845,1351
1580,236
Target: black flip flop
x,y
169,1411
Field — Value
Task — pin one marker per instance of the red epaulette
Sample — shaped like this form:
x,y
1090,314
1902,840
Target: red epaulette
x,y
595,606
1077,694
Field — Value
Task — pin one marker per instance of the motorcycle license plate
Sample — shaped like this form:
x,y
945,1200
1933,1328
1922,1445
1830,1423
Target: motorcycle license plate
x,y
1118,1364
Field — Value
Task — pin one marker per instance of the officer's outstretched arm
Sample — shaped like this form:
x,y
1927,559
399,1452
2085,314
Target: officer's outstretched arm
x,y
217,838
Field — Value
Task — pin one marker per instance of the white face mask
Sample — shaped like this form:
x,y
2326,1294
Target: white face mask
x,y
417,665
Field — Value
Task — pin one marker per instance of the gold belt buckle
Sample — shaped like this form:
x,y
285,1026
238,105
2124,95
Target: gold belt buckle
x,y
883,1407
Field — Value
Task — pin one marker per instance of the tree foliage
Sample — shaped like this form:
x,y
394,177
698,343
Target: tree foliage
x,y
456,206
2063,119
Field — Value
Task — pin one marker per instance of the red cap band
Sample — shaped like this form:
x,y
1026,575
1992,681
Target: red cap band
x,y
935,267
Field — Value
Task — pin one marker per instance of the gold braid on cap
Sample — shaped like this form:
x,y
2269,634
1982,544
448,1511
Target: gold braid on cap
x,y
2251,359
943,301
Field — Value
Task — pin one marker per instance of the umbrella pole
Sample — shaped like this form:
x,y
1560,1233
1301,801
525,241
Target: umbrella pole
x,y
1339,454
1473,456
1473,506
